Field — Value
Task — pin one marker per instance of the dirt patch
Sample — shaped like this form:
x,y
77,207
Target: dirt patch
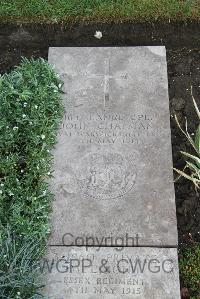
x,y
172,34
184,71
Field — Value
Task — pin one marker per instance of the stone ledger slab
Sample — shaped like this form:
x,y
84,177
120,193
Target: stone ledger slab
x,y
113,162
111,274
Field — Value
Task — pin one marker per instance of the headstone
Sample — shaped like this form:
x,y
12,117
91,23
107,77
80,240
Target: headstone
x,y
113,180
108,273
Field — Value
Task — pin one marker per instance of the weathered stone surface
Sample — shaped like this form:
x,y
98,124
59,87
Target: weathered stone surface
x,y
113,181
113,164
142,273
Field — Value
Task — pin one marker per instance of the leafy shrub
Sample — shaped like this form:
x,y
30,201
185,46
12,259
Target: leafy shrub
x,y
30,111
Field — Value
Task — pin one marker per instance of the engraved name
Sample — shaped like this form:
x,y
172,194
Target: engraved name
x,y
107,127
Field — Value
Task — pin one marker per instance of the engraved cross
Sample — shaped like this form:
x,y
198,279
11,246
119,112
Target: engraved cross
x,y
107,78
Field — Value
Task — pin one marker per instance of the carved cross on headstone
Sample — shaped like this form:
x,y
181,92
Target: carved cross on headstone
x,y
107,78
106,75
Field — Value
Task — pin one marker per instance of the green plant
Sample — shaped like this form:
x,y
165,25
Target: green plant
x,y
30,113
189,264
193,164
20,275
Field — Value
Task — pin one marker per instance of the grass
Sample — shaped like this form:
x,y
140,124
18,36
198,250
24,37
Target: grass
x,y
19,268
52,11
30,112
189,264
